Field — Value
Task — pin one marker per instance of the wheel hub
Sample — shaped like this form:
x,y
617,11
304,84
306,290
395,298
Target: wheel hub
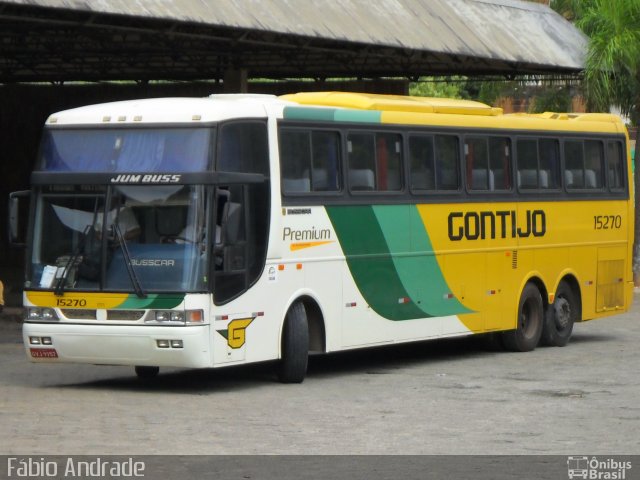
x,y
562,312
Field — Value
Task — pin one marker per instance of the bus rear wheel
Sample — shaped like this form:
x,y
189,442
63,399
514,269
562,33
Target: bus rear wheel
x,y
295,345
560,317
530,321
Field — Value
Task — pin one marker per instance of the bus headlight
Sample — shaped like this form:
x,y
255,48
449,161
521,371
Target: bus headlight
x,y
38,314
176,317
162,316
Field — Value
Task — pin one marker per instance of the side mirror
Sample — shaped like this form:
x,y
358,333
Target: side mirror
x,y
18,208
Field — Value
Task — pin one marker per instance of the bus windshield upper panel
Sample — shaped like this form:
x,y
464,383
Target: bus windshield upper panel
x,y
120,238
126,150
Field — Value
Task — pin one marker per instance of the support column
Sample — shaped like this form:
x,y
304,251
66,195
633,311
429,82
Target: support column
x,y
235,81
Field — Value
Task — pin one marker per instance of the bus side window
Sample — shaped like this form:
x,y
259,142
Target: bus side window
x,y
593,164
538,163
615,175
477,159
500,163
361,161
447,162
388,161
573,164
374,161
422,162
549,163
243,147
295,161
527,151
584,164
309,161
433,162
325,158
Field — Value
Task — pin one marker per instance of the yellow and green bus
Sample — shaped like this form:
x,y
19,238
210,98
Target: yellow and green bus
x,y
245,228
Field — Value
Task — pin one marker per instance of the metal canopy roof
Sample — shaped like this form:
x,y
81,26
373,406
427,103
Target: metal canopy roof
x,y
63,40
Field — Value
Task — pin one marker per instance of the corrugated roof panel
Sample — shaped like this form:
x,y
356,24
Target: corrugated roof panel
x,y
496,29
508,31
145,40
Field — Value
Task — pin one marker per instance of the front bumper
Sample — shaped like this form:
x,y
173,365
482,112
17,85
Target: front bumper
x,y
119,344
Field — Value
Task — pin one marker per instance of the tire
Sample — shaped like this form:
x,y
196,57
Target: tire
x,y
530,321
560,317
295,345
146,373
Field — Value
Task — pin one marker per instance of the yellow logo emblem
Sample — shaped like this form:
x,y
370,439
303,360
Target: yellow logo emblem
x,y
236,335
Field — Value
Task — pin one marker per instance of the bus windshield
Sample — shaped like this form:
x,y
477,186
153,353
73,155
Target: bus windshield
x,y
120,238
126,150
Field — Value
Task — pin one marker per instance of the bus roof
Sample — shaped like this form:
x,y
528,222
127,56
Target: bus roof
x,y
168,110
332,106
398,109
396,103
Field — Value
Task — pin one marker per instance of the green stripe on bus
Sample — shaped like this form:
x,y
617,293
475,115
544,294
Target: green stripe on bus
x,y
308,113
360,116
332,114
370,262
153,301
392,262
415,260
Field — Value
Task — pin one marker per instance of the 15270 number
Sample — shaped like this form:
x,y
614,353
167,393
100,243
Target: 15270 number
x,y
607,222
71,302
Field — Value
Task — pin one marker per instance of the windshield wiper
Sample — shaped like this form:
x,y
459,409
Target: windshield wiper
x,y
59,290
127,260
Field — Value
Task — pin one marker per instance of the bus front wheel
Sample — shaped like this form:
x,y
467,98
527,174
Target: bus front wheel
x,y
560,317
530,321
295,345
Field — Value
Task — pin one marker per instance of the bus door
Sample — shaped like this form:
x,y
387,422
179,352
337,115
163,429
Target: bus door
x,y
230,248
239,251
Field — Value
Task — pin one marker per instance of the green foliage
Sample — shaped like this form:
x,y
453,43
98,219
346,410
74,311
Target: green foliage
x,y
552,99
612,70
486,91
436,87
489,92
571,9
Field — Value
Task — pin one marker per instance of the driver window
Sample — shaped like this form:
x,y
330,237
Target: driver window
x,y
242,211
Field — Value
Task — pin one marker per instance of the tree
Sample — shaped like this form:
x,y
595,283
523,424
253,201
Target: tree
x,y
612,69
436,87
570,9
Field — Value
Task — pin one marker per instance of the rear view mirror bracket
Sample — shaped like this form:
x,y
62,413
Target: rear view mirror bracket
x,y
17,234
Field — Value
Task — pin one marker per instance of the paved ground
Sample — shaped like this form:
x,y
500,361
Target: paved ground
x,y
448,397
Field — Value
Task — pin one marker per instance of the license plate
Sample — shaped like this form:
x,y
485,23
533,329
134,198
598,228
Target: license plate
x,y
44,353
